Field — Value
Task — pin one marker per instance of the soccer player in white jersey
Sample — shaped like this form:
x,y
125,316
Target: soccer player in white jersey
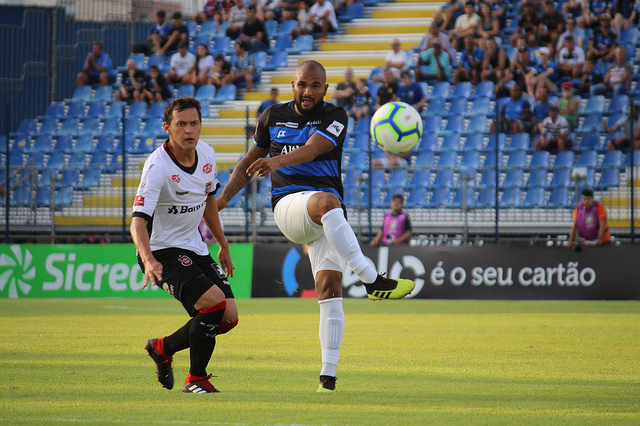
x,y
304,139
176,191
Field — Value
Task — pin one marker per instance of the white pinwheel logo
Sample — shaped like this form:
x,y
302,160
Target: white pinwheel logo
x,y
20,269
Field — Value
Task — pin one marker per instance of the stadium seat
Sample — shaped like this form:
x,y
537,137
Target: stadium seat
x,y
56,161
450,142
610,176
82,93
146,144
103,94
271,26
473,142
417,197
540,162
157,60
515,169
595,104
454,123
424,159
462,89
157,109
70,178
488,169
636,158
98,160
360,142
618,105
222,29
185,90
225,94
592,121
444,170
480,106
478,123
63,144
358,160
97,109
106,143
222,44
428,141
535,197
629,36
440,90
398,181
90,126
435,107
486,197
42,144
277,60
457,106
559,197
29,126
84,143
491,143
469,163
433,123
458,197
90,178
286,27
304,43
440,197
521,141
35,159
484,89
111,126
354,11
138,109
48,126
192,28
77,160
54,110
561,171
70,126
116,109
511,197
153,126
132,125
282,42
589,141
208,29
206,93
261,57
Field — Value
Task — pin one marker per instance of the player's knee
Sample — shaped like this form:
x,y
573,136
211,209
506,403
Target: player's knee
x,y
324,202
227,325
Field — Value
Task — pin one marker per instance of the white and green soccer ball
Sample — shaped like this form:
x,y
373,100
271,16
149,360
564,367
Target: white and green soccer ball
x,y
396,127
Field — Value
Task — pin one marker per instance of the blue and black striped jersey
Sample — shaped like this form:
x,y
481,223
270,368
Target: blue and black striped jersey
x,y
281,130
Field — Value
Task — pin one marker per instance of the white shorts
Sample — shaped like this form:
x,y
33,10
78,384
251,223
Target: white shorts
x,y
292,217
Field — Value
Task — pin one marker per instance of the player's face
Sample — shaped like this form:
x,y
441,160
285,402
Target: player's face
x,y
184,130
309,88
587,202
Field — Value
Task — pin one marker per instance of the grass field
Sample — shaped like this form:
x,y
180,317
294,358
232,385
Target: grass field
x,y
410,362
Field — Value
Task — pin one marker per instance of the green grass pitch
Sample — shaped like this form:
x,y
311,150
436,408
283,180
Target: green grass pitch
x,y
409,362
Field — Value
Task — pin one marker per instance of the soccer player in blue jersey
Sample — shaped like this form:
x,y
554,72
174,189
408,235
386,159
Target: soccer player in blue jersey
x,y
304,138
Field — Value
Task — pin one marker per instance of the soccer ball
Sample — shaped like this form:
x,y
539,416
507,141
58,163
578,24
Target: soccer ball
x,y
396,127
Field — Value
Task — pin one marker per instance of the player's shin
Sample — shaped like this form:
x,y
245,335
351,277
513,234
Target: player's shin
x,y
202,337
331,333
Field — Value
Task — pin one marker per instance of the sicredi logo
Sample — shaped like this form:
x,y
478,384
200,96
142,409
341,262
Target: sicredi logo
x,y
19,271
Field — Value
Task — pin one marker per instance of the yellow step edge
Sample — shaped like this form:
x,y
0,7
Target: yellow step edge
x,y
226,165
228,147
261,96
105,200
619,223
336,47
382,14
620,201
222,130
131,182
391,30
232,113
354,62
331,79
91,221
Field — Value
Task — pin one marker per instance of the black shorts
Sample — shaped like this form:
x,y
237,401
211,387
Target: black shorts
x,y
180,267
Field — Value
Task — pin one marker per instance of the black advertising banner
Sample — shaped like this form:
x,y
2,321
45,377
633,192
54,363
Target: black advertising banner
x,y
487,272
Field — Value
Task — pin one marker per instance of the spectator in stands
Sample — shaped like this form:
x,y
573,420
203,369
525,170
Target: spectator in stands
x,y
133,82
602,44
271,100
259,11
156,88
571,30
465,26
214,10
434,64
345,92
528,25
221,69
541,108
254,31
590,77
243,67
552,26
570,59
499,9
489,26
572,7
555,132
451,10
272,9
543,73
569,105
304,26
620,133
97,68
590,221
202,70
471,60
290,9
237,16
158,35
396,226
181,64
517,71
495,62
618,78
177,33
515,115
397,60
323,17
625,15
592,11
387,92
435,34
363,104
411,92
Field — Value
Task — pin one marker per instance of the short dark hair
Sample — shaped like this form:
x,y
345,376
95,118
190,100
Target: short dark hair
x,y
154,67
587,192
161,13
180,104
251,7
219,56
398,197
177,15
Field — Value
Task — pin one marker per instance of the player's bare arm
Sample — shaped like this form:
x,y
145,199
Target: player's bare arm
x,y
239,177
212,221
140,236
315,146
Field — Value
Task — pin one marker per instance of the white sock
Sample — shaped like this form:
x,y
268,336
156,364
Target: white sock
x,y
331,333
344,241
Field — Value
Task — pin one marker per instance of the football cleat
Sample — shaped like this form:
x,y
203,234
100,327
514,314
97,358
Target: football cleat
x,y
199,384
163,362
386,288
327,384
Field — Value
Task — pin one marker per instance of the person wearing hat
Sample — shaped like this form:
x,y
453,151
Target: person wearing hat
x,y
570,58
590,221
554,132
620,133
177,33
543,73
181,64
569,105
602,44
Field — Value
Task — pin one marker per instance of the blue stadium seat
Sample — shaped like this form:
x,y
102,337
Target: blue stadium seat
x,y
440,197
138,109
304,43
457,106
222,29
636,158
484,89
595,104
70,126
535,197
435,107
360,142
428,141
82,93
208,29
478,123
629,36
515,169
159,61
458,197
271,26
511,197
440,90
610,176
261,57
206,92
282,42
469,163
480,106
444,171
185,90
618,104
116,109
454,123
420,178
62,197
200,39
84,143
433,123
48,126
462,89
520,141
70,177
354,11
98,160
77,160
225,94
47,177
192,28
486,197
111,126
90,178
104,94
132,125
15,159
54,110
157,109
286,27
491,143
222,44
588,160
592,121
488,169
105,143
589,141
473,142
56,161
358,160
36,159
90,126
559,197
97,109
146,144
29,126
398,181
42,144
424,159
561,172
540,162
153,126
417,197
450,142
277,60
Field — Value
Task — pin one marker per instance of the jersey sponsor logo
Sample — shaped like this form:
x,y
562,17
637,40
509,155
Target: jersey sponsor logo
x,y
288,148
282,134
207,168
175,178
172,210
335,128
181,193
185,260
184,209
139,200
207,188
289,124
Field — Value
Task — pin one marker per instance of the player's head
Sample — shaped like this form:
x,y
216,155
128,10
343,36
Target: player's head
x,y
309,86
397,200
183,123
180,104
587,198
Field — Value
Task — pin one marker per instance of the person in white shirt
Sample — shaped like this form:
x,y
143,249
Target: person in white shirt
x,y
177,189
554,132
572,30
181,64
397,60
465,26
202,71
570,59
323,17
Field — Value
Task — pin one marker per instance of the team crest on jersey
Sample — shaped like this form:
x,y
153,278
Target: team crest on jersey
x,y
139,200
175,178
335,128
185,260
207,168
207,188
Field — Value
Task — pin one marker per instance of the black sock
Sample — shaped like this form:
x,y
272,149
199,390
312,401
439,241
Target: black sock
x,y
179,340
202,337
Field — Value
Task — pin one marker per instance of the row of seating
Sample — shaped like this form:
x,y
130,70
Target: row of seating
x,y
86,143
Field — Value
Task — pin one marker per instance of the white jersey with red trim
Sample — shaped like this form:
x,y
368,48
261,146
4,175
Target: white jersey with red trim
x,y
172,198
